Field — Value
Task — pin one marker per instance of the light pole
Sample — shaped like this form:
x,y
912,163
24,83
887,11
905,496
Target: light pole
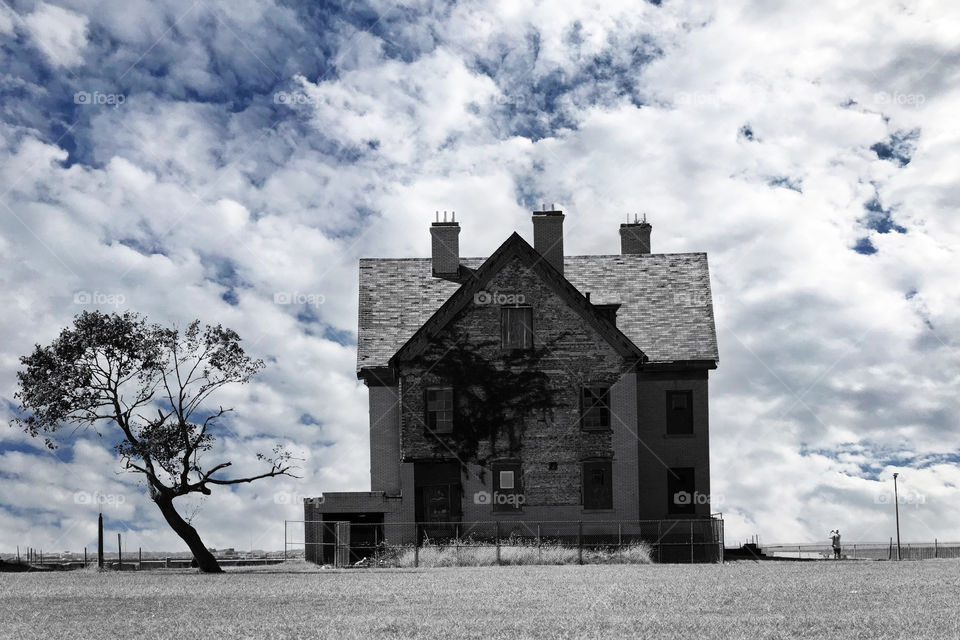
x,y
896,508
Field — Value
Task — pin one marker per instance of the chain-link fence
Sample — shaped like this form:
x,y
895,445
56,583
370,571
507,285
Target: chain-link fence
x,y
866,550
413,544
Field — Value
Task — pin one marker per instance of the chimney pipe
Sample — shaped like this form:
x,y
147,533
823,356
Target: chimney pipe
x,y
446,246
635,237
548,236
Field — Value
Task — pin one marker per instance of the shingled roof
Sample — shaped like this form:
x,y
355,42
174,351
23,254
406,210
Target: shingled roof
x,y
666,307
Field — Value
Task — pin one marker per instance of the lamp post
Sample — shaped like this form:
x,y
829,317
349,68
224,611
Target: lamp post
x,y
896,508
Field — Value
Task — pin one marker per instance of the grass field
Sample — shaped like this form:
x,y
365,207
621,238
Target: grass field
x,y
736,600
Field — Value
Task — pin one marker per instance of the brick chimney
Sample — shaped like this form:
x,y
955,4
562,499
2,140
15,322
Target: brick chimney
x,y
635,237
446,246
548,236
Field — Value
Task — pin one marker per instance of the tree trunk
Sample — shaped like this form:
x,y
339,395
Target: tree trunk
x,y
204,559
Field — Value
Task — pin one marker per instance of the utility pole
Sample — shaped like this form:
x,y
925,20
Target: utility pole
x,y
100,542
896,507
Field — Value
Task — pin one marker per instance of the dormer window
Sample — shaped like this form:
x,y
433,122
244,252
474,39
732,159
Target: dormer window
x,y
516,327
439,409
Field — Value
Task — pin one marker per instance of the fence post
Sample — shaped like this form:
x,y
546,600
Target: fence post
x,y
579,541
456,541
691,542
416,546
166,562
285,541
659,541
936,549
100,542
84,557
890,550
497,534
620,541
539,549
119,555
139,558
41,555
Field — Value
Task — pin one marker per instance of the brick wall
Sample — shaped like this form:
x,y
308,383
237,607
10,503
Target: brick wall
x,y
384,439
657,451
575,355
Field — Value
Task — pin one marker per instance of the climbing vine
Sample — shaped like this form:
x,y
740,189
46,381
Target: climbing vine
x,y
495,392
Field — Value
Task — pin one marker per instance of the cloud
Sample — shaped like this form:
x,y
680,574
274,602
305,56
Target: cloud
x,y
262,149
59,33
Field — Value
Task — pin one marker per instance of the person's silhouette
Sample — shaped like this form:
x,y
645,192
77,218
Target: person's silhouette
x,y
835,541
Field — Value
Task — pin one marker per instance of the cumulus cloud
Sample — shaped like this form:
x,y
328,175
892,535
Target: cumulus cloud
x,y
257,150
59,33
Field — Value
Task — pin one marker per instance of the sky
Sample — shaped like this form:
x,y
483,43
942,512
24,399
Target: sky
x,y
232,161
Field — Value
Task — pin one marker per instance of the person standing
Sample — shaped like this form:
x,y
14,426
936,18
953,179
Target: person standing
x,y
835,541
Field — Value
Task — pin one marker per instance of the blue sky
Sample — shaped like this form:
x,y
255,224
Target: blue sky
x,y
202,159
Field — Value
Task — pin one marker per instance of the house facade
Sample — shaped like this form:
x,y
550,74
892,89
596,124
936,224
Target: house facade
x,y
530,386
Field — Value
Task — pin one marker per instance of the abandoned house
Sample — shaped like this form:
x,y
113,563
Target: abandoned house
x,y
530,386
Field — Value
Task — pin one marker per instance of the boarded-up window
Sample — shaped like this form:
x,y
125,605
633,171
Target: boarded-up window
x,y
679,412
597,484
439,404
595,408
516,327
681,490
507,487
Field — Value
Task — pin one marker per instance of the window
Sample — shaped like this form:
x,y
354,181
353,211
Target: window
x,y
516,327
507,487
595,408
597,484
681,490
679,412
439,405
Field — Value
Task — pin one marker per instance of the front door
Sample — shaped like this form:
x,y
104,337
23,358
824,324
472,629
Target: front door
x,y
438,498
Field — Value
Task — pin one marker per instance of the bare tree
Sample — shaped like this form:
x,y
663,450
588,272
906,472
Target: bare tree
x,y
149,386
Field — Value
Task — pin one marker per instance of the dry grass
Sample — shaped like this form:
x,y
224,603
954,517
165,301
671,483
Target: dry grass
x,y
840,600
468,553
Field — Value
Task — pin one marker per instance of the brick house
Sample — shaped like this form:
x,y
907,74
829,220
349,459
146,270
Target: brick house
x,y
530,386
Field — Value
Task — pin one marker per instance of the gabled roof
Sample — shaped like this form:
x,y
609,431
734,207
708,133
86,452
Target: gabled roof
x,y
516,247
666,306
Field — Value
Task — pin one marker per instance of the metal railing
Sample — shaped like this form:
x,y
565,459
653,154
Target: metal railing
x,y
866,550
341,543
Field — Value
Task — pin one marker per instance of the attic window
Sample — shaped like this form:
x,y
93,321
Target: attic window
x,y
516,327
439,405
